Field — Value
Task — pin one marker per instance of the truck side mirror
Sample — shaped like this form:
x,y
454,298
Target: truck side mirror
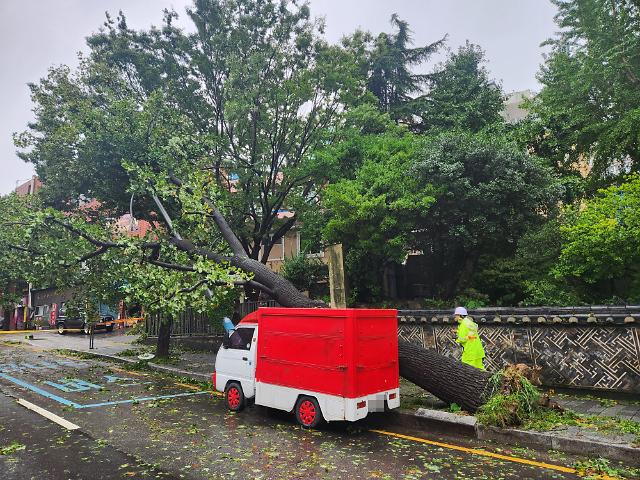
x,y
225,339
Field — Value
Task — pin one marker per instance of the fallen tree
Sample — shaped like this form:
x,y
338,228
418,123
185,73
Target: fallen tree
x,y
446,378
97,264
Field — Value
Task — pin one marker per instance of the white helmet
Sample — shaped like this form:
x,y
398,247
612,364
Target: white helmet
x,y
460,311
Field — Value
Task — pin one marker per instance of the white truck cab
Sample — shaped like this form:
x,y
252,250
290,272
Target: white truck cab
x,y
236,361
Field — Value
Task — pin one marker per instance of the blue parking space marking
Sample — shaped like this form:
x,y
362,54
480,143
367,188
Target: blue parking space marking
x,y
141,399
69,403
40,391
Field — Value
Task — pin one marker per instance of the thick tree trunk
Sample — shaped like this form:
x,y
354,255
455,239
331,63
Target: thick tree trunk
x,y
164,338
282,290
448,379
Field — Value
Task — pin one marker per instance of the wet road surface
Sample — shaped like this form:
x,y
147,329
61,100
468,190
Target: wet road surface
x,y
138,424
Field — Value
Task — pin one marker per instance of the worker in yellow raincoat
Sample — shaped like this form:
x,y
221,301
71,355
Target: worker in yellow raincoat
x,y
468,337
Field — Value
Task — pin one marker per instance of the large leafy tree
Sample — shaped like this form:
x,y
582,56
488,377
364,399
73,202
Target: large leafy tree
x,y
374,211
526,277
587,116
387,61
14,259
487,193
601,250
253,92
89,256
461,95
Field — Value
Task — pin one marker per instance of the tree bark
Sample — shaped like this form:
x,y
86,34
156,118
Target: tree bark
x,y
448,379
164,337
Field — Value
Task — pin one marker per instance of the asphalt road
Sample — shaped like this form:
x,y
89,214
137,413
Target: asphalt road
x,y
137,424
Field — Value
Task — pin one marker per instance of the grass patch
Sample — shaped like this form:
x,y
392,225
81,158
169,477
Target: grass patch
x,y
517,404
544,419
412,396
72,353
134,352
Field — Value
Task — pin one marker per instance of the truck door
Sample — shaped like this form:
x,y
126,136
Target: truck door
x,y
239,359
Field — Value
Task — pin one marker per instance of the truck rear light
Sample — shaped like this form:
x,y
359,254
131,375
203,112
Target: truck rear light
x,y
392,396
361,404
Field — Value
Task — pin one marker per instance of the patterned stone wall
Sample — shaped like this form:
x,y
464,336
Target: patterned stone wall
x,y
580,351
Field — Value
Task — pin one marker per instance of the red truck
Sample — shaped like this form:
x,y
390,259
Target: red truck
x,y
320,363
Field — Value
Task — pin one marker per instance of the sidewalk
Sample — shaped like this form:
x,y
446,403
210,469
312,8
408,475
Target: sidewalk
x,y
602,407
124,348
112,343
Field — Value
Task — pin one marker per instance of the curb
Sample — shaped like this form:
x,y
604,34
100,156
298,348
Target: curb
x,y
433,420
198,377
105,356
468,425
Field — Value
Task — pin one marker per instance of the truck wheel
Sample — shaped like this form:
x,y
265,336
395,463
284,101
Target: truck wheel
x,y
234,396
308,412
61,329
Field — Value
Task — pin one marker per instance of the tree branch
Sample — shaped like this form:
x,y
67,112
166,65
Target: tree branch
x,y
218,218
80,233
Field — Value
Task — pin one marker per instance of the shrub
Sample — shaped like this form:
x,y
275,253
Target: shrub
x,y
513,402
303,271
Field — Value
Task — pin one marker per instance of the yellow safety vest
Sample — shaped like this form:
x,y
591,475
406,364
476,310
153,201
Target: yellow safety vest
x,y
469,339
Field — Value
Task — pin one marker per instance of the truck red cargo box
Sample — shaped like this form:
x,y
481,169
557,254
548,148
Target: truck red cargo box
x,y
345,352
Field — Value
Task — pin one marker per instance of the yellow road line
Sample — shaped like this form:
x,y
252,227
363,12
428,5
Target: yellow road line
x,y
186,385
122,370
484,453
17,332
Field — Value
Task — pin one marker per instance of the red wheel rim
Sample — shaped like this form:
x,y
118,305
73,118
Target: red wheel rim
x,y
307,412
233,397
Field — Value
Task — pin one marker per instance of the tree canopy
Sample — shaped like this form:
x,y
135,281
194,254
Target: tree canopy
x,y
602,245
586,117
246,99
461,95
251,122
488,193
374,211
389,69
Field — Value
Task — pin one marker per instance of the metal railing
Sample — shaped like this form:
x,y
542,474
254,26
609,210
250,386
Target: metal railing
x,y
190,323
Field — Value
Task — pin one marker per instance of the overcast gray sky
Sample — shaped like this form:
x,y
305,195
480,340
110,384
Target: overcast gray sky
x,y
36,34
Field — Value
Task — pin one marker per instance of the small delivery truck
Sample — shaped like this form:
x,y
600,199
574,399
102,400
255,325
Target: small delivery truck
x,y
320,363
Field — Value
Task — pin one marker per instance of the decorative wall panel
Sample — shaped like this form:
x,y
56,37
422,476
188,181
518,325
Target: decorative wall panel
x,y
598,355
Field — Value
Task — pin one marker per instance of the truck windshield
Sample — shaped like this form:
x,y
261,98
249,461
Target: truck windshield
x,y
241,339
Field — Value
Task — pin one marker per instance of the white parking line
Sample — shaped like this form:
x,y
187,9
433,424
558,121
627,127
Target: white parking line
x,y
47,414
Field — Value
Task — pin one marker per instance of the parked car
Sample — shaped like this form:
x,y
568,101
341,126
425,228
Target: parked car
x,y
319,363
67,323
